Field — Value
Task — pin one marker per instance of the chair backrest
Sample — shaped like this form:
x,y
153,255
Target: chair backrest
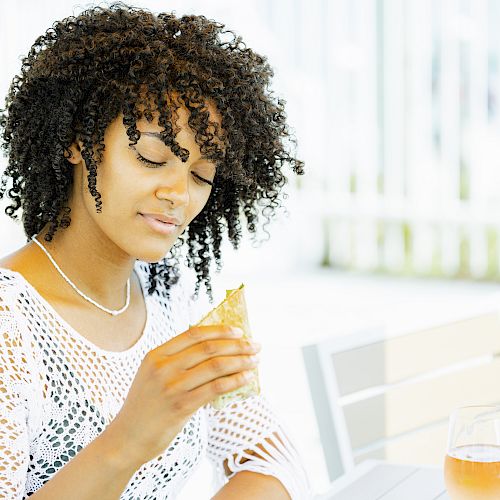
x,y
390,397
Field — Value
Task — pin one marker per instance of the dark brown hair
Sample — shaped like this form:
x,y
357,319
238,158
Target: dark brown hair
x,y
85,70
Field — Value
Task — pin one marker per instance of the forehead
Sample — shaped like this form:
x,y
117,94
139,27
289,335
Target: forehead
x,y
180,118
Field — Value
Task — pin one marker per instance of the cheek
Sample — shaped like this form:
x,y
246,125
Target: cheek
x,y
117,192
198,202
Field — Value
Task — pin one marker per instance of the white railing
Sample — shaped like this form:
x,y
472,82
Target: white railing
x,y
407,145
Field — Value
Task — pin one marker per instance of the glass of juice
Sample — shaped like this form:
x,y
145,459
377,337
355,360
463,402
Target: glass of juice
x,y
472,464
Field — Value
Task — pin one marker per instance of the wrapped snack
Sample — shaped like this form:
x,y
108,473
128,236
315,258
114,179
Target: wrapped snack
x,y
232,311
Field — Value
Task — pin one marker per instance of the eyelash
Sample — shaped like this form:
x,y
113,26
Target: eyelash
x,y
154,164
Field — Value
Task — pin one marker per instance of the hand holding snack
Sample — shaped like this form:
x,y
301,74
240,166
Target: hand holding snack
x,y
177,378
233,311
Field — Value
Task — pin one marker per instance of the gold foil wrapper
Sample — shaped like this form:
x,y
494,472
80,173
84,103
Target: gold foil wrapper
x,y
232,311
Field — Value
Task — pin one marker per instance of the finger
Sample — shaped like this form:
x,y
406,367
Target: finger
x,y
195,335
213,369
207,349
211,390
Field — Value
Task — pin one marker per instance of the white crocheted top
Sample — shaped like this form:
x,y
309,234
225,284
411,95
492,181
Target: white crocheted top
x,y
58,392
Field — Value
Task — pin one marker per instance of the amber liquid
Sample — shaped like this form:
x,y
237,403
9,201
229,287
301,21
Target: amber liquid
x,y
473,472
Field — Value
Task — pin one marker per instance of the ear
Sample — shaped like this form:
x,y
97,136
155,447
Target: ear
x,y
73,153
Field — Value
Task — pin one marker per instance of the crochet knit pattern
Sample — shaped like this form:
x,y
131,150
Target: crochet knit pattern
x,y
59,391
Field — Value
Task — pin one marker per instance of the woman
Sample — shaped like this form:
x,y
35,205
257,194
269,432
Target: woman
x,y
129,137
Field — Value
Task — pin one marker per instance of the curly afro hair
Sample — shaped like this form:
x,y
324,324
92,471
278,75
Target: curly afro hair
x,y
86,70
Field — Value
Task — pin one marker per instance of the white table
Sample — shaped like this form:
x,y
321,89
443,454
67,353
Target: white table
x,y
377,480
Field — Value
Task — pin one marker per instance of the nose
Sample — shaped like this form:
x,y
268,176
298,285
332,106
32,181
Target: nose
x,y
176,188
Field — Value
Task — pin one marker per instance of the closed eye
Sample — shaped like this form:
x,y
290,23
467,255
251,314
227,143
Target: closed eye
x,y
149,162
154,164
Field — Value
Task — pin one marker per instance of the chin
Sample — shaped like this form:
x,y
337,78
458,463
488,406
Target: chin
x,y
152,257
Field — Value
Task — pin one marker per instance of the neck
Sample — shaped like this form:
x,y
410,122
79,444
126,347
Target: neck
x,y
88,266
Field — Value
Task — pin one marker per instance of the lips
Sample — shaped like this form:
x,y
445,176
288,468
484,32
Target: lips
x,y
158,226
164,218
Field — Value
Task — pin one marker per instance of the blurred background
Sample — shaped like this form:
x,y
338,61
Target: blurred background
x,y
395,105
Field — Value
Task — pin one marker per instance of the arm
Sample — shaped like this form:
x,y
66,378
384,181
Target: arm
x,y
101,470
248,446
252,486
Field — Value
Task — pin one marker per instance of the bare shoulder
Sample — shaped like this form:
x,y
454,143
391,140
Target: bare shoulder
x,y
26,261
19,260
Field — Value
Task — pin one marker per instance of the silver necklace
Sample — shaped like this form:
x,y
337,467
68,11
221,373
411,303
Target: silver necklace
x,y
105,309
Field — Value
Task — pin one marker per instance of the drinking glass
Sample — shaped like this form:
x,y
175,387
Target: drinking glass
x,y
472,464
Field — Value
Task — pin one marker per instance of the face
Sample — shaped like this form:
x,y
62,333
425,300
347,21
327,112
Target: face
x,y
145,178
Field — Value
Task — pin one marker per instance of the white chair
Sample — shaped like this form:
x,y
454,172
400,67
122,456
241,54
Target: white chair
x,y
390,397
